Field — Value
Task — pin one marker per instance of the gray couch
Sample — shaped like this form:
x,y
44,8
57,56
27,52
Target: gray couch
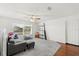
x,y
14,48
19,43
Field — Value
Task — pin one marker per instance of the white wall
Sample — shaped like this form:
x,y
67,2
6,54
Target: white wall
x,y
63,30
56,30
73,30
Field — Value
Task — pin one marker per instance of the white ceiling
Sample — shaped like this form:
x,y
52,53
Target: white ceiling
x,y
23,10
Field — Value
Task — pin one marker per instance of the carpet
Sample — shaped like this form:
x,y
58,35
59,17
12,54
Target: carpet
x,y
42,48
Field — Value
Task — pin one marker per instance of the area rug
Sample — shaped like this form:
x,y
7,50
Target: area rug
x,y
42,48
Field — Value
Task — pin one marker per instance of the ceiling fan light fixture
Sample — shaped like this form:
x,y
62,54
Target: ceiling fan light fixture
x,y
35,18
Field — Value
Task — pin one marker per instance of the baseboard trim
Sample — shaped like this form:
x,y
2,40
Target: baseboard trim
x,y
72,44
69,44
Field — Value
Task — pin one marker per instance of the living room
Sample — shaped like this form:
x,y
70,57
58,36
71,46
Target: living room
x,y
39,29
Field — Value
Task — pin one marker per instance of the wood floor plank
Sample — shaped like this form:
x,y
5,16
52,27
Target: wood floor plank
x,y
68,50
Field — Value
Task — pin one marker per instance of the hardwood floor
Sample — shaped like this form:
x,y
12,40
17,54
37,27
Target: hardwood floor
x,y
68,50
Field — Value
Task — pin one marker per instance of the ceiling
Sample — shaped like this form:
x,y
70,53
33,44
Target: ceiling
x,y
25,10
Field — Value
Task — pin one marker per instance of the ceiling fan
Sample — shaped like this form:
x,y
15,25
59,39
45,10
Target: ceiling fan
x,y
28,15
